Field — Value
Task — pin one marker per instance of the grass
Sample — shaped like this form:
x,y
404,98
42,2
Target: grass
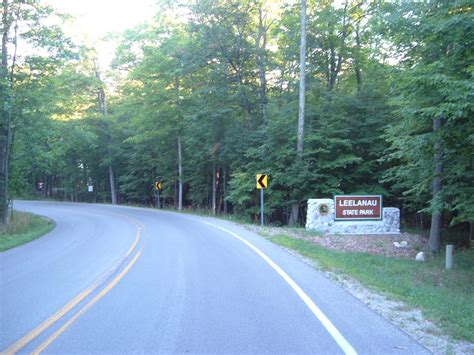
x,y
204,212
445,296
23,228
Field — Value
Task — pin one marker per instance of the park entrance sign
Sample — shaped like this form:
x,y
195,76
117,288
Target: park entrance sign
x,y
358,207
352,214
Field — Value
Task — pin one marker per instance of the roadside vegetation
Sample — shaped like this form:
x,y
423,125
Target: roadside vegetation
x,y
202,103
444,296
23,228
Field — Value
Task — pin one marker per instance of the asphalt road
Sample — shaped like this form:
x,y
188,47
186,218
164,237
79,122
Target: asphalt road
x,y
111,279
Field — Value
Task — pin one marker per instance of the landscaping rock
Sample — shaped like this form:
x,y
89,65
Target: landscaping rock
x,y
382,244
420,256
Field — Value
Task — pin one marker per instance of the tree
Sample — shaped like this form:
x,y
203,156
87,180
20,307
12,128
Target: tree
x,y
435,42
5,111
103,110
301,112
22,21
53,138
209,102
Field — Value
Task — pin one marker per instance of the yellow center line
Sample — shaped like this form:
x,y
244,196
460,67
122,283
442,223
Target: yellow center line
x,y
101,294
25,340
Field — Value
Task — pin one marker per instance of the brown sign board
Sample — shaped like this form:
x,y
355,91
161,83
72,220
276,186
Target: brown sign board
x,y
358,207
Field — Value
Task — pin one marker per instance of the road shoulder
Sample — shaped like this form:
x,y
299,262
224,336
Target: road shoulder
x,y
409,319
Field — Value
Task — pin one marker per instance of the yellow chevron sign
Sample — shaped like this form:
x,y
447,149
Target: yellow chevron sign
x,y
262,181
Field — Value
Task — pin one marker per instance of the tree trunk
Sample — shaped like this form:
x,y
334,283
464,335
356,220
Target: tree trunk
x,y
435,232
180,176
219,192
246,103
214,187
261,44
295,207
224,187
336,65
175,195
357,61
301,106
471,232
436,218
4,117
113,190
103,109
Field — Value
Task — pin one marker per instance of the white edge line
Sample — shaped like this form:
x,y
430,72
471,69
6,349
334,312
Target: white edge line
x,y
327,324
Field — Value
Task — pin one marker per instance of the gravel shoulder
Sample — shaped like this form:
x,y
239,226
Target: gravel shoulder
x,y
398,313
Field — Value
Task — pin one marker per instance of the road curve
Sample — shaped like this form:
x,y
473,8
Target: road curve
x,y
112,279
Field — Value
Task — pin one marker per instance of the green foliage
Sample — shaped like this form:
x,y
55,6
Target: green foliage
x,y
435,43
242,193
368,122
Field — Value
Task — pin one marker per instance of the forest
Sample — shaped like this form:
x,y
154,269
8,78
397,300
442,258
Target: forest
x,y
206,96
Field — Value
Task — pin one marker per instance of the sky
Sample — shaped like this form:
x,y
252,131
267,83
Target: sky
x,y
95,18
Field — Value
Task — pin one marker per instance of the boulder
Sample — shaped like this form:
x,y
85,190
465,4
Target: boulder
x,y
420,256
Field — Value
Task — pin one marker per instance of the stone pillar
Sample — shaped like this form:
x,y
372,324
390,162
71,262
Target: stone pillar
x,y
320,214
391,220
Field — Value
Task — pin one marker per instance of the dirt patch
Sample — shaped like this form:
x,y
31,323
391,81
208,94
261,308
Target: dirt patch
x,y
396,312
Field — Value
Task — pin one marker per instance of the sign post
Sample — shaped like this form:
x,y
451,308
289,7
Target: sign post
x,y
262,183
158,187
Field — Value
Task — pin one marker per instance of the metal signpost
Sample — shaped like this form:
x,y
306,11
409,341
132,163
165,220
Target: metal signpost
x,y
158,187
262,183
